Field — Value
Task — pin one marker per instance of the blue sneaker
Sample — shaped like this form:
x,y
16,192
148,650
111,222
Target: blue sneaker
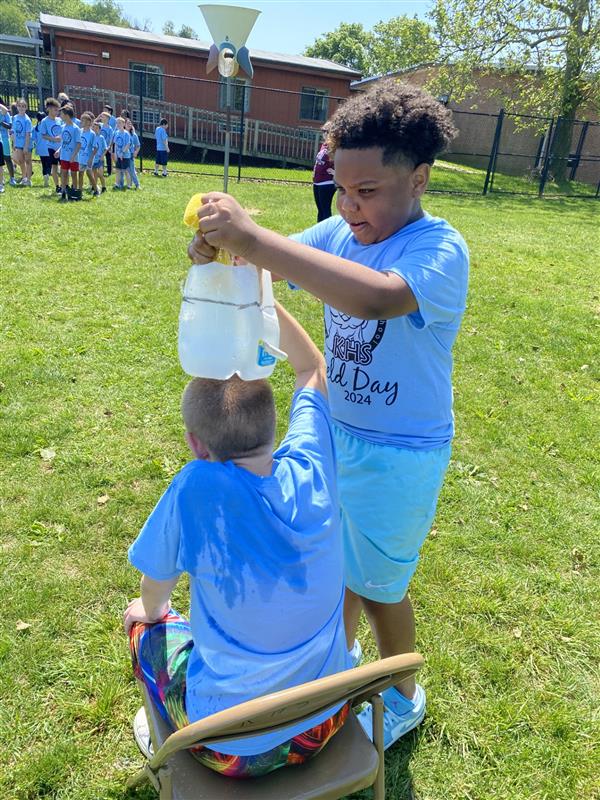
x,y
400,715
356,654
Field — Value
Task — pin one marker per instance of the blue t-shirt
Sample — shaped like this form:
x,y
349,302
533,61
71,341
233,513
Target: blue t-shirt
x,y
135,143
70,138
4,132
88,145
264,555
101,147
108,134
112,121
390,381
48,127
34,138
21,125
122,142
161,137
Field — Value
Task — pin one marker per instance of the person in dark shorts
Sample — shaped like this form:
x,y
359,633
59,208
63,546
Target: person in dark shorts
x,y
323,183
162,147
50,130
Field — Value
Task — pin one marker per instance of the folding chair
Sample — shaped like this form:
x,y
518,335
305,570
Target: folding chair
x,y
349,762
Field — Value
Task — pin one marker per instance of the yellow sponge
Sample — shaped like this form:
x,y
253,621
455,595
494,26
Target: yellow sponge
x,y
190,215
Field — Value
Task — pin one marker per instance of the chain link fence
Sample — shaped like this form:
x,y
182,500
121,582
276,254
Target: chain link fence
x,y
503,153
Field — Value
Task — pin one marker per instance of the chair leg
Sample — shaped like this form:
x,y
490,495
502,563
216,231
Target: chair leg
x,y
137,779
379,785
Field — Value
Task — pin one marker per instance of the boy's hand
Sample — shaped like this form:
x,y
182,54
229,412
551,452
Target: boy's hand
x,y
225,224
136,612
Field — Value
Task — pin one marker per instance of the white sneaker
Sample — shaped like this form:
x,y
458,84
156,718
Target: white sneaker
x,y
141,733
45,181
400,715
1,188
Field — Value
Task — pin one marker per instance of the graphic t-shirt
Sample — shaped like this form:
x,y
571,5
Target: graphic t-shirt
x,y
88,145
70,137
135,142
101,147
21,125
390,381
162,137
48,127
264,555
108,134
122,142
323,163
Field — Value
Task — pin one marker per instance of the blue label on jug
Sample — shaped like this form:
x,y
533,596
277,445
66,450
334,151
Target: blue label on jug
x,y
264,359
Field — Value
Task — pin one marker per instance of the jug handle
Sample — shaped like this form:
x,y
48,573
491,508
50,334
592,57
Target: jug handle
x,y
273,351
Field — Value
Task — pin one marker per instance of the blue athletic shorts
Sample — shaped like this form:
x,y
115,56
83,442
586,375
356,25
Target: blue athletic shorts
x,y
161,158
388,496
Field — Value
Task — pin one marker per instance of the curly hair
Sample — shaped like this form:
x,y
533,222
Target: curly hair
x,y
404,120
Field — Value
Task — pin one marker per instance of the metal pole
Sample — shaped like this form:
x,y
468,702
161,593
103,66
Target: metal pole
x,y
227,133
546,167
578,150
141,120
489,176
19,87
241,150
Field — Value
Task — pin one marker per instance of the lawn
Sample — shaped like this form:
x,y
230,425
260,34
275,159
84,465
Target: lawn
x,y
507,593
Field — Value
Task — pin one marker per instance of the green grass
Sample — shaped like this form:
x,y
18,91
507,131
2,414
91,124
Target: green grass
x,y
506,594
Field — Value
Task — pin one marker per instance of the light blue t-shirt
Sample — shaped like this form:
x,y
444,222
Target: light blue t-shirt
x,y
4,132
112,121
88,145
122,142
108,134
101,148
48,127
70,138
21,127
390,381
265,560
161,137
34,139
135,143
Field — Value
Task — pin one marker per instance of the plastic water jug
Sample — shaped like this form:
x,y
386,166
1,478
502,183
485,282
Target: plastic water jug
x,y
228,323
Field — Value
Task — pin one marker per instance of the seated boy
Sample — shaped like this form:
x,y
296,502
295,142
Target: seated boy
x,y
259,534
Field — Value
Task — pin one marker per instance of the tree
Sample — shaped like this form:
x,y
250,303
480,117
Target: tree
x,y
348,45
551,46
169,28
401,43
187,33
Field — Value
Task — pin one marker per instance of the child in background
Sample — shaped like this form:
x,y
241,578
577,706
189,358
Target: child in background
x,y
86,155
122,149
111,122
98,165
394,281
5,128
135,149
50,129
162,147
21,130
259,534
69,152
33,145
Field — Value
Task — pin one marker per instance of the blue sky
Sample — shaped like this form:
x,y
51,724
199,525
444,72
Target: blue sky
x,y
284,26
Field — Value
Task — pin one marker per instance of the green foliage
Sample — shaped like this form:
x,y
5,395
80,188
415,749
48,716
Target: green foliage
x,y
400,43
550,51
348,45
14,13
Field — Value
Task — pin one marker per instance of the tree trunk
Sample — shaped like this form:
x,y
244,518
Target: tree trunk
x,y
572,92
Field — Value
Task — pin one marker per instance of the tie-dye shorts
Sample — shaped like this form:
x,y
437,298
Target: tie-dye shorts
x,y
160,653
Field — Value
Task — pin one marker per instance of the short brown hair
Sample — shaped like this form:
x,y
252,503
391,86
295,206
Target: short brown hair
x,y
68,111
231,417
52,101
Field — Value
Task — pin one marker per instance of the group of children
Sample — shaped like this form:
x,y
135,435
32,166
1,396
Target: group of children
x,y
286,549
70,148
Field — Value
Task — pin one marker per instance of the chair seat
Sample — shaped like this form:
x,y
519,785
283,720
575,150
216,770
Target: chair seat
x,y
347,764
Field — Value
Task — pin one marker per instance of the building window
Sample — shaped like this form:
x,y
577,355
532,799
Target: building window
x,y
147,80
151,119
81,68
239,94
314,104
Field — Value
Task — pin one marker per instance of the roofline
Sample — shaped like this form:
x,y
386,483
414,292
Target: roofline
x,y
50,21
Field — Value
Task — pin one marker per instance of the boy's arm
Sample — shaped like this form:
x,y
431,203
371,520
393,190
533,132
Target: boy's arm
x,y
153,603
303,355
347,286
76,151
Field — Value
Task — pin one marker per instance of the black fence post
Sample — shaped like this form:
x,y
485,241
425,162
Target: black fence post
x,y
548,155
489,176
19,87
141,122
578,150
242,121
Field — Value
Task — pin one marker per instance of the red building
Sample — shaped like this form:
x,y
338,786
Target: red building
x,y
284,105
